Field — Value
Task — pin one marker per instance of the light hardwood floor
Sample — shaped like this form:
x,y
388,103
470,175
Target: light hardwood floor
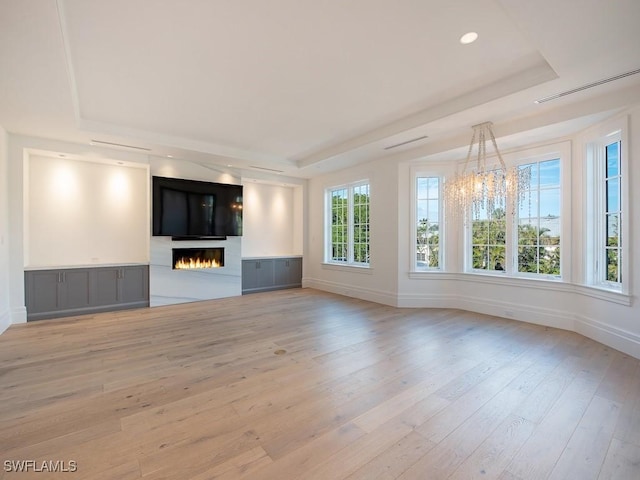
x,y
301,384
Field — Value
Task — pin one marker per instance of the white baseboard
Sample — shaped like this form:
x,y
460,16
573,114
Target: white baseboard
x,y
19,315
355,291
618,338
538,315
5,320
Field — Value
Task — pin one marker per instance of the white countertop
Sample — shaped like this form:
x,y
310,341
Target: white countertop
x,y
91,265
268,257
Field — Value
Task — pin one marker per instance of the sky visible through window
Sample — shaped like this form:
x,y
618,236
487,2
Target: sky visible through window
x,y
428,190
548,175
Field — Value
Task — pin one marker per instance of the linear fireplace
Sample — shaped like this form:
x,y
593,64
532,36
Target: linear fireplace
x,y
195,258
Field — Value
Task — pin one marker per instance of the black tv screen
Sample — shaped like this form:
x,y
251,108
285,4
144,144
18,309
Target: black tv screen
x,y
190,208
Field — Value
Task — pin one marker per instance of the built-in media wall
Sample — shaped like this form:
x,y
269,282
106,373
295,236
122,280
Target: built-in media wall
x,y
76,209
211,201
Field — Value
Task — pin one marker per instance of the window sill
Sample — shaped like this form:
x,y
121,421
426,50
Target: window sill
x,y
366,269
604,293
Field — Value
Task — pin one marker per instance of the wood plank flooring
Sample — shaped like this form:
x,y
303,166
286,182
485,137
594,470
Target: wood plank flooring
x,y
302,384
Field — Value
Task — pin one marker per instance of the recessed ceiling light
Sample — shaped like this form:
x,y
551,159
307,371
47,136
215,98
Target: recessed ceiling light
x,y
169,156
468,38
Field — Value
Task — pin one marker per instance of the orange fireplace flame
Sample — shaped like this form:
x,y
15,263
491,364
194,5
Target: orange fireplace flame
x,y
191,263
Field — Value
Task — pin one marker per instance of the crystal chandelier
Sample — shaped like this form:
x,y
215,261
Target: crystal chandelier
x,y
485,188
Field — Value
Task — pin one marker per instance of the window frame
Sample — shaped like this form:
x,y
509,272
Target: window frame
x,y
328,250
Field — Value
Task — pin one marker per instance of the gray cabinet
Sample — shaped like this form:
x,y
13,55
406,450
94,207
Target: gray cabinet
x,y
75,288
250,279
106,286
288,272
133,285
47,284
117,285
264,274
76,291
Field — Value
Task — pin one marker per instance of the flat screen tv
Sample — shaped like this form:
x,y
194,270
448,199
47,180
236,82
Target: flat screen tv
x,y
194,209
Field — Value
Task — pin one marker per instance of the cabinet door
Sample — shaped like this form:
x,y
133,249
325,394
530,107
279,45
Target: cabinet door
x,y
75,292
265,273
106,286
134,284
42,291
281,271
295,271
288,272
250,274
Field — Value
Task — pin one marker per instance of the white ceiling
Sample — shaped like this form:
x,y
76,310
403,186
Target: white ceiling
x,y
306,86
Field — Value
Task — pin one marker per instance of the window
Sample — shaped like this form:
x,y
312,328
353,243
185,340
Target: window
x,y
488,239
427,223
539,220
612,250
339,225
605,211
348,232
522,236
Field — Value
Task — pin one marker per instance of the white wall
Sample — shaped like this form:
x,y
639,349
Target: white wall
x,y
84,213
379,282
270,220
5,314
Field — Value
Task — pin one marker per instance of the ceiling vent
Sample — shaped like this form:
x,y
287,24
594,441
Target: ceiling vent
x,y
406,142
585,87
121,145
266,169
